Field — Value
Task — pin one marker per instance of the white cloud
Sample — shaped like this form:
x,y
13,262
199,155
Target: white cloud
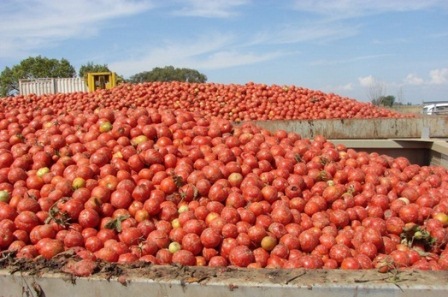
x,y
34,24
203,53
413,79
436,77
297,33
226,59
210,8
178,54
439,76
346,87
367,81
356,8
349,60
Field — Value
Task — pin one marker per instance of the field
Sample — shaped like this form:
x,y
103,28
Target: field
x,y
406,109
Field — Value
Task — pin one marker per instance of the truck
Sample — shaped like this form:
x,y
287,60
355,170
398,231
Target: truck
x,y
93,82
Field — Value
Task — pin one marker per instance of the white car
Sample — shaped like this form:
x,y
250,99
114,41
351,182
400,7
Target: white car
x,y
435,108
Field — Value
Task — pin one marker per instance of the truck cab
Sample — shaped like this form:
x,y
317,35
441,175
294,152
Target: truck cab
x,y
101,80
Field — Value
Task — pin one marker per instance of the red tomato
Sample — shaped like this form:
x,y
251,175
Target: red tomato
x,y
241,256
50,247
88,218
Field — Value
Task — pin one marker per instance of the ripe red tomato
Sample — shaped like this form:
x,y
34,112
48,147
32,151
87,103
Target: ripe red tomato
x,y
130,236
121,198
308,240
89,218
192,242
241,256
107,254
26,221
210,238
48,248
7,212
184,257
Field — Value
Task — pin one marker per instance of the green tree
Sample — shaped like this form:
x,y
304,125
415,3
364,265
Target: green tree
x,y
384,100
90,67
33,67
169,73
7,82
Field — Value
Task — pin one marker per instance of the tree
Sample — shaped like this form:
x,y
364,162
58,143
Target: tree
x,y
169,73
384,100
90,67
7,82
31,68
388,100
376,90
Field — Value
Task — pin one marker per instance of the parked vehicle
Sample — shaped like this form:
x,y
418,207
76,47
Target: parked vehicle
x,y
94,81
435,108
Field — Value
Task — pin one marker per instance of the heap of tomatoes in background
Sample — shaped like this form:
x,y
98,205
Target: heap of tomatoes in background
x,y
233,102
129,182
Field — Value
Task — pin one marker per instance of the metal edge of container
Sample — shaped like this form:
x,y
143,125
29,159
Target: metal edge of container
x,y
418,151
378,128
241,282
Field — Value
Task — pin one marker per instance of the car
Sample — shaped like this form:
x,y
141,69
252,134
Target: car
x,y
435,109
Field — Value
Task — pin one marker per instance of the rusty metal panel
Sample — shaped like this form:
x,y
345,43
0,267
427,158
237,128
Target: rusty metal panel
x,y
36,86
425,126
70,85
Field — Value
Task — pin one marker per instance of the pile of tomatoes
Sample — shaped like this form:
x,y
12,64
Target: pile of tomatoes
x,y
171,186
228,101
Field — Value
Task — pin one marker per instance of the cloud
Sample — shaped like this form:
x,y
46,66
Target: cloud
x,y
357,8
367,81
436,77
439,76
350,60
413,79
346,87
169,53
34,24
298,33
210,9
204,52
226,59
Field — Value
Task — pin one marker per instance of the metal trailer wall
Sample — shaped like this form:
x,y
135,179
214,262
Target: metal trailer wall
x,y
422,140
43,86
175,281
70,85
422,127
37,86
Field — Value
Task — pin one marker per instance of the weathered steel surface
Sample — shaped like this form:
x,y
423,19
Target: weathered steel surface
x,y
421,127
191,281
418,151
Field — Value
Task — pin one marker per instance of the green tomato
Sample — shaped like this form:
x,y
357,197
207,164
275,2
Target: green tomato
x,y
4,196
174,247
105,127
42,171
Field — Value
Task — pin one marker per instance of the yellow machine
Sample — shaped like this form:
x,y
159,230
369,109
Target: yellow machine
x,y
101,80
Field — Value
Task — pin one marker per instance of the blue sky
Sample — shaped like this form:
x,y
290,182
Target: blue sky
x,y
354,48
